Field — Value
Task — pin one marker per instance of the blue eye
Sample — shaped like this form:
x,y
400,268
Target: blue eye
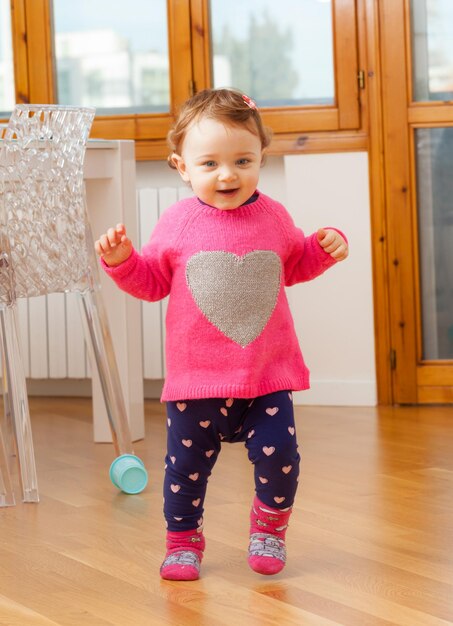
x,y
210,163
243,161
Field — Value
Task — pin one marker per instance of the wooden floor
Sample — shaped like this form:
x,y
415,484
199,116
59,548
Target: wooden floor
x,y
370,542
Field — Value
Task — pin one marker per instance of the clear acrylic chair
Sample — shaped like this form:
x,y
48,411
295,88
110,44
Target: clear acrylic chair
x,y
46,247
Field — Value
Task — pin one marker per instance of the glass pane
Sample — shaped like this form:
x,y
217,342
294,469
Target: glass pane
x,y
280,53
434,156
7,95
432,49
112,55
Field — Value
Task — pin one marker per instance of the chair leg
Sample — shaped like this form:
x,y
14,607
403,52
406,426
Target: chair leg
x,y
97,333
6,489
18,403
10,445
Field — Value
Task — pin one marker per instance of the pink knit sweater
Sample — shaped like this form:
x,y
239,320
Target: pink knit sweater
x,y
230,332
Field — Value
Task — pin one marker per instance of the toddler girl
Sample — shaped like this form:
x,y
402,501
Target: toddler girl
x,y
225,256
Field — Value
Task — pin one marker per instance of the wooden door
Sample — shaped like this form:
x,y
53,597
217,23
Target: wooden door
x,y
416,43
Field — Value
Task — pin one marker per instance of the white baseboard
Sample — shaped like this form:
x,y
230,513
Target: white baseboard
x,y
71,387
153,389
322,392
338,393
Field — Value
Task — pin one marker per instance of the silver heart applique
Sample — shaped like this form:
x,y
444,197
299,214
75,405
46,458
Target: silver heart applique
x,y
236,293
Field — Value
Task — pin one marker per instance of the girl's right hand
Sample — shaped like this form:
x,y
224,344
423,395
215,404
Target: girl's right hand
x,y
114,246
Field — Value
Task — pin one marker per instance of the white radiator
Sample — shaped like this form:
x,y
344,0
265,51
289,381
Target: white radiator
x,y
51,330
52,337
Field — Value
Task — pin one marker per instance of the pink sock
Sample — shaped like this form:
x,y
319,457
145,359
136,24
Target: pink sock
x,y
184,554
267,550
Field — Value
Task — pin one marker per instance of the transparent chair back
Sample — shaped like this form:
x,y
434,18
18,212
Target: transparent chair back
x,y
46,247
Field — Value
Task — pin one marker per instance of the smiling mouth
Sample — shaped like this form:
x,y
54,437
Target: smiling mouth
x,y
227,192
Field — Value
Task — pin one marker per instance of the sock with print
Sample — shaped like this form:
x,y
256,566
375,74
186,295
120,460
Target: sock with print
x,y
184,555
267,550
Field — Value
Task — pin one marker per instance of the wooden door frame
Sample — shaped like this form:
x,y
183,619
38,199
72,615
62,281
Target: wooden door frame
x,y
402,376
373,113
398,193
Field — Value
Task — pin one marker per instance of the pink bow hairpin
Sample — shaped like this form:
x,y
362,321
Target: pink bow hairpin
x,y
249,102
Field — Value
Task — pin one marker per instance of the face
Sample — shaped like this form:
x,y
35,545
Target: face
x,y
222,163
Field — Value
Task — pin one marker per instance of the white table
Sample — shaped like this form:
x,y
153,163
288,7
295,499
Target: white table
x,y
111,198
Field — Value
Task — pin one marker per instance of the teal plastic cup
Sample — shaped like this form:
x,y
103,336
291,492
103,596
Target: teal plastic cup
x,y
128,473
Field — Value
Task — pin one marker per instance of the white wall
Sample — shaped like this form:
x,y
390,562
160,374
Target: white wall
x,y
333,314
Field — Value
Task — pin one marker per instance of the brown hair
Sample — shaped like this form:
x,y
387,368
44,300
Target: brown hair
x,y
227,105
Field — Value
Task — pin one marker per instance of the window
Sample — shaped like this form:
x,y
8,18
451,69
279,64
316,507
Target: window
x,y
434,163
432,37
110,58
281,52
136,61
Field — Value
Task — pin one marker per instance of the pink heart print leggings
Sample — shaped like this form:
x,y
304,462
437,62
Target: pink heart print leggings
x,y
195,432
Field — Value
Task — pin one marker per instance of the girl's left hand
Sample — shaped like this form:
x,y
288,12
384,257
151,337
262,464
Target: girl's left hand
x,y
333,243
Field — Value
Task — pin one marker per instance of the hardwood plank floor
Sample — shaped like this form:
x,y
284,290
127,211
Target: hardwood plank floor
x,y
370,541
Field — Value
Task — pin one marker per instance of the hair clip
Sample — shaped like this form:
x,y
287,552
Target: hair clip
x,y
249,102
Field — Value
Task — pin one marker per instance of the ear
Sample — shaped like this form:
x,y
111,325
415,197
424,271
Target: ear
x,y
180,165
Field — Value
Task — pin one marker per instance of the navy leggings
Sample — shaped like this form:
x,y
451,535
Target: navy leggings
x,y
195,430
